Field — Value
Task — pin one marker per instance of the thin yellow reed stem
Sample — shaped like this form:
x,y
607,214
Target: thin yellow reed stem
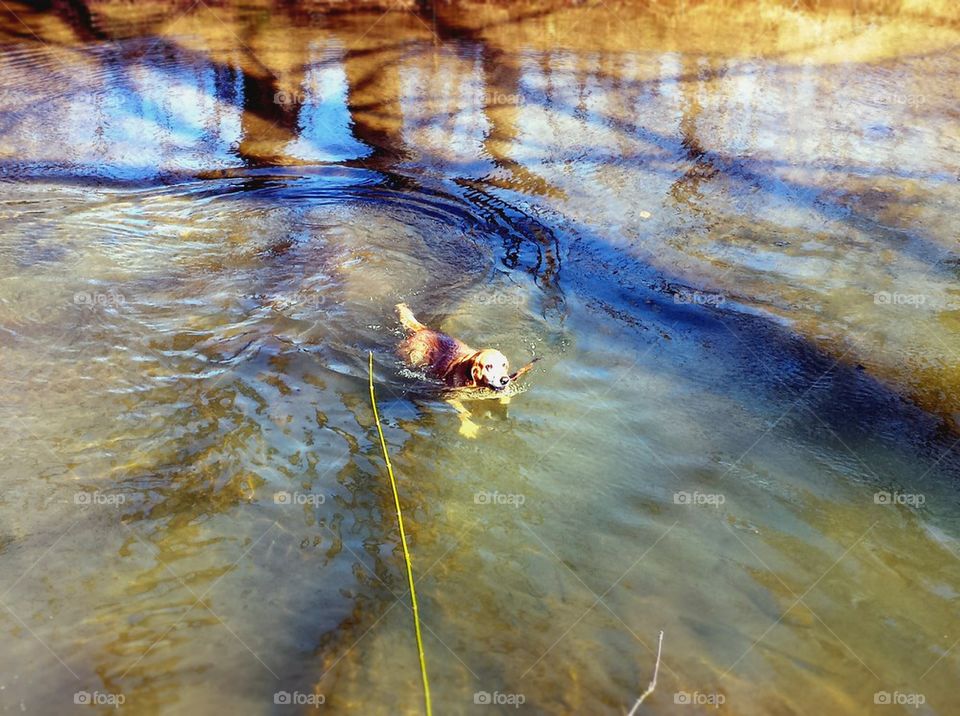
x,y
403,541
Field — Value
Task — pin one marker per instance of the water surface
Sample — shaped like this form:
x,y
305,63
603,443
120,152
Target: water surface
x,y
729,231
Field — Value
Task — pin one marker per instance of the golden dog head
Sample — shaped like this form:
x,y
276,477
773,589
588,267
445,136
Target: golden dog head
x,y
490,368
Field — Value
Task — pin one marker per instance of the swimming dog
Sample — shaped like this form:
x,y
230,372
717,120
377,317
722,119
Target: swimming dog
x,y
449,360
454,363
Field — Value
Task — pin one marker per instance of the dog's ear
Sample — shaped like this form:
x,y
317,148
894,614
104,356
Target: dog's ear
x,y
476,369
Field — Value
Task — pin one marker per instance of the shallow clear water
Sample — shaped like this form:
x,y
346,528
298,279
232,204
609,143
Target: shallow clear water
x,y
728,231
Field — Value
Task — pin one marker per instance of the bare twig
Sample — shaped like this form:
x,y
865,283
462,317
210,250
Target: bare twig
x,y
525,368
653,682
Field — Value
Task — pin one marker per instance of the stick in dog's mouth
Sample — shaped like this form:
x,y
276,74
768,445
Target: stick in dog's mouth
x,y
517,374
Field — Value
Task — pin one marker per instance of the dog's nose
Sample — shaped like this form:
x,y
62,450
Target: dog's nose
x,y
504,380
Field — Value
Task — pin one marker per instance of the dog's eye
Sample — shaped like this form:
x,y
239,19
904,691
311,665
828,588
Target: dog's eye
x,y
488,366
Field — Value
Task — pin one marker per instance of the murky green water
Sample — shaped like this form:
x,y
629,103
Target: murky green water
x,y
729,231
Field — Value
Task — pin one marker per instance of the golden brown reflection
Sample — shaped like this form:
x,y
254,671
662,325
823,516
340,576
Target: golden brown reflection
x,y
511,97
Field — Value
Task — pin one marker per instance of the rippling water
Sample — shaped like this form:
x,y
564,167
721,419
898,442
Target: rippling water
x,y
729,231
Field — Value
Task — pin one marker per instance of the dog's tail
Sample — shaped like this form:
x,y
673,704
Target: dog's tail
x,y
407,319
